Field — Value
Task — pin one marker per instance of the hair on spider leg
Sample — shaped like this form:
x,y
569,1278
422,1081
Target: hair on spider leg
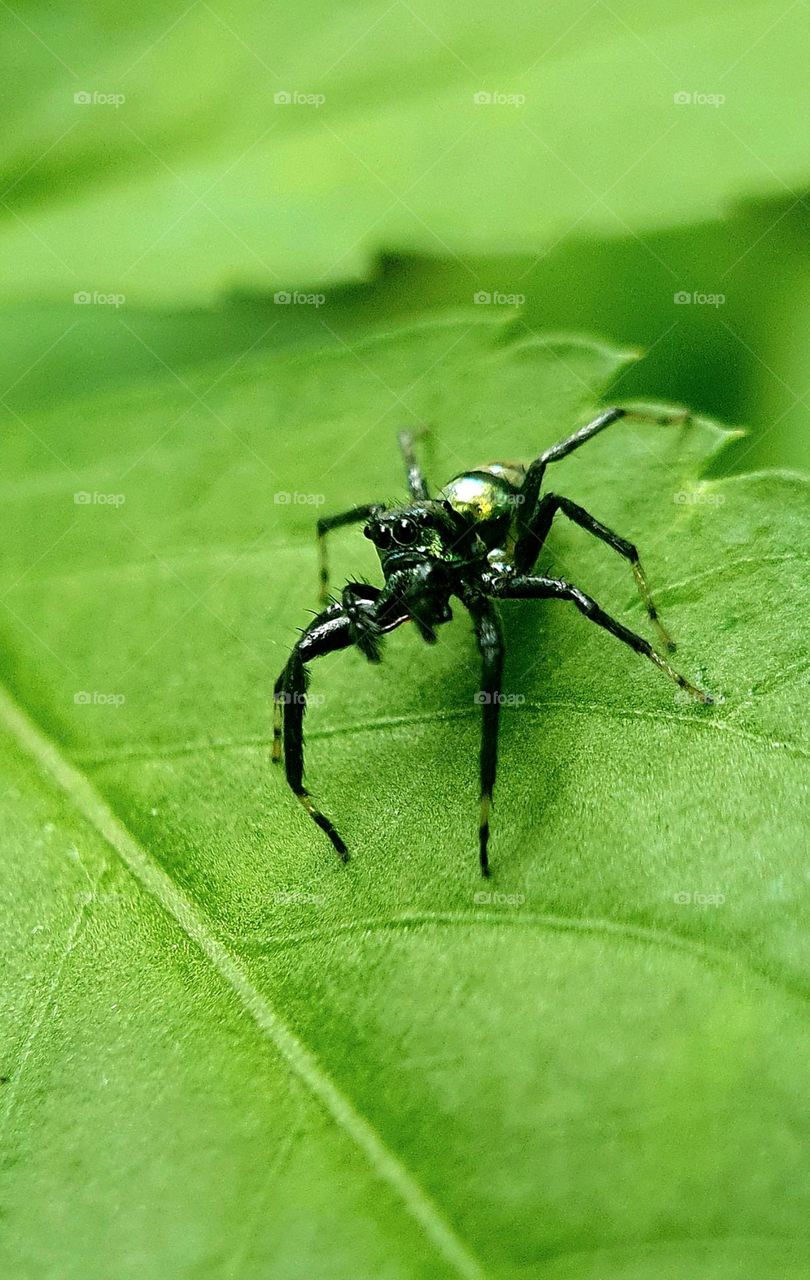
x,y
477,541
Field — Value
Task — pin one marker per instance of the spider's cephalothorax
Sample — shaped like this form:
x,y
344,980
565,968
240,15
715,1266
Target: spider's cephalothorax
x,y
477,541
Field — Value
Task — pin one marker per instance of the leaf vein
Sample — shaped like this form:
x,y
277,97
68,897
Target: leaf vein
x,y
648,935
72,940
192,746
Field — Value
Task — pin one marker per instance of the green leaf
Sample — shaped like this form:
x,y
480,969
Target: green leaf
x,y
186,173
737,348
229,1055
50,352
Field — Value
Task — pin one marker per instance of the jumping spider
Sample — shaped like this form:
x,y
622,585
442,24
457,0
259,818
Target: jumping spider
x,y
477,540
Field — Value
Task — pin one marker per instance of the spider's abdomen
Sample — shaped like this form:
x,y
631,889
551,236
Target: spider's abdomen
x,y
487,496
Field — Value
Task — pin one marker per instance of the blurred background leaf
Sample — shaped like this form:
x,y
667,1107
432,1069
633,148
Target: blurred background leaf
x,y
597,200
198,177
742,360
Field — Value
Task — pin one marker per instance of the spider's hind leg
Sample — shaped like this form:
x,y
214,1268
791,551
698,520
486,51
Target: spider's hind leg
x,y
530,489
534,535
417,484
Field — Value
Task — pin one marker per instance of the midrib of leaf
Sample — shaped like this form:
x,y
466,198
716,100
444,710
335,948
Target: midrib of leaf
x,y
304,1065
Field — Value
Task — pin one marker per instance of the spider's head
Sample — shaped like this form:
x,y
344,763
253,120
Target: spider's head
x,y
428,530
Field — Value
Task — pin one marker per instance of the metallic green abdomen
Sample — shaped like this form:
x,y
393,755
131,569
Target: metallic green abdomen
x,y
486,495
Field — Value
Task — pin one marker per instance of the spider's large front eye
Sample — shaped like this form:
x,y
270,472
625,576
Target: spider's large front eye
x,y
405,533
380,535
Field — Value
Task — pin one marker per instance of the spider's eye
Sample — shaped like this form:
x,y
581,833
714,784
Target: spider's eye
x,y
379,534
405,533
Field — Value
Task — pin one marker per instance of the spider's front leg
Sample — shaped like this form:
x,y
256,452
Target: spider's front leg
x,y
523,587
489,637
330,631
353,516
366,629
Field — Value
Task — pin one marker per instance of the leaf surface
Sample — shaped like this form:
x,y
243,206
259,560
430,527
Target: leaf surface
x,y
238,1056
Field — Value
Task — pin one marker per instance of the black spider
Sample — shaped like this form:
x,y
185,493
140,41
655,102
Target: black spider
x,y
478,540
